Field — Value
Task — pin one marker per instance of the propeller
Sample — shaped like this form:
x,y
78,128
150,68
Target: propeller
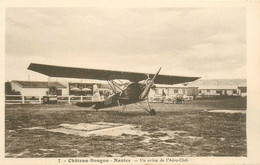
x,y
148,86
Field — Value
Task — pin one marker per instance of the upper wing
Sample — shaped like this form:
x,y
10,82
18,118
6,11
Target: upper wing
x,y
70,72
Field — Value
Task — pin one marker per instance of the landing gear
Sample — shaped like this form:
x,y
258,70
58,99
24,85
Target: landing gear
x,y
121,106
93,107
152,112
149,110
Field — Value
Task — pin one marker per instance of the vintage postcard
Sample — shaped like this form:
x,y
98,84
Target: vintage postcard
x,y
136,83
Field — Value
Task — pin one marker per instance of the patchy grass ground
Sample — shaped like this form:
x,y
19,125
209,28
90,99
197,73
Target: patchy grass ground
x,y
200,133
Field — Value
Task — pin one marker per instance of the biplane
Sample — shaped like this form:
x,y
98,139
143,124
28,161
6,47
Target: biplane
x,y
123,94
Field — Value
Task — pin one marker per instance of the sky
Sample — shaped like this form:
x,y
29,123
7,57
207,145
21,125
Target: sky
x,y
204,42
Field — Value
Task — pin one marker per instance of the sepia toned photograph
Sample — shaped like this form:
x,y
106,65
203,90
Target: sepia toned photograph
x,y
124,83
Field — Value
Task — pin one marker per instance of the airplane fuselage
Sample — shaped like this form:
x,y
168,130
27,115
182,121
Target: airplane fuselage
x,y
127,96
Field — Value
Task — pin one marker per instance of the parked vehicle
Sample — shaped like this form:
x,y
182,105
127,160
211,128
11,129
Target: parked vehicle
x,y
169,100
157,99
179,99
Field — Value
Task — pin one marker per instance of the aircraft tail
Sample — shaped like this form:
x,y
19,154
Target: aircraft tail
x,y
96,95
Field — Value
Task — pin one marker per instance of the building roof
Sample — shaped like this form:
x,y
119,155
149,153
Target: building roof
x,y
38,84
170,86
218,87
218,82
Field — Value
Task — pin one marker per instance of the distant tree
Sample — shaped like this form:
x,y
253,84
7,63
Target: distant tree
x,y
9,90
15,92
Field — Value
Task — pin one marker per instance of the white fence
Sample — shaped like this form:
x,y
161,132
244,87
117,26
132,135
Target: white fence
x,y
19,99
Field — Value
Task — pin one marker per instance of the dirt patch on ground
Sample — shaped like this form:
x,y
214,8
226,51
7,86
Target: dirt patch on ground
x,y
119,129
98,129
227,111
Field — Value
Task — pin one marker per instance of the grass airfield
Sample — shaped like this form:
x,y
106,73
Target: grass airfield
x,y
188,129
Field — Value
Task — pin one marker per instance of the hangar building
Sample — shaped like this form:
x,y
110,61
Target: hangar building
x,y
169,90
219,91
37,88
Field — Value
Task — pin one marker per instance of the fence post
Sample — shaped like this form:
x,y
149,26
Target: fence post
x,y
22,99
69,99
40,100
81,98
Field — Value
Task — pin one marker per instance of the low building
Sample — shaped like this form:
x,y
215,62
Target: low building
x,y
243,90
215,91
192,91
220,87
161,92
168,90
37,88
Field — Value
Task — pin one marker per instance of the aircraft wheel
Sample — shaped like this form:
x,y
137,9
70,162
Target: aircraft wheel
x,y
152,112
